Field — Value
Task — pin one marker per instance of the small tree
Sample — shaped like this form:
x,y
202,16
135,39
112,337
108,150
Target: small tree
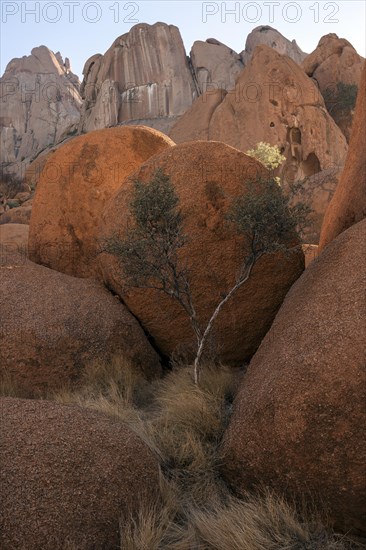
x,y
149,252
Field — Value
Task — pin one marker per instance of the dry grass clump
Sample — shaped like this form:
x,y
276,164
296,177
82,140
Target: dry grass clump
x,y
187,427
264,522
183,424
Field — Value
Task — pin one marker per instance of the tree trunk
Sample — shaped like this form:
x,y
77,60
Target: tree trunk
x,y
197,361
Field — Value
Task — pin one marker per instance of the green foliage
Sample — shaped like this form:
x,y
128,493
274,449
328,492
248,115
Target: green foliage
x,y
148,253
267,154
265,217
342,97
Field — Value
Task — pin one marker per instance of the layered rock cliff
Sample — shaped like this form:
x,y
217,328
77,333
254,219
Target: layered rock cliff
x,y
145,75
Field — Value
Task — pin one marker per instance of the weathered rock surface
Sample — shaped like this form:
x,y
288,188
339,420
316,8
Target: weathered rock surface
x,y
215,65
299,420
14,235
68,476
205,176
54,326
195,123
74,187
348,205
270,37
311,252
332,64
317,191
144,75
285,113
20,214
40,105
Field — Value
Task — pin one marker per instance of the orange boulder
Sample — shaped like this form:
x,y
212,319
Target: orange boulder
x,y
54,326
299,419
69,477
75,184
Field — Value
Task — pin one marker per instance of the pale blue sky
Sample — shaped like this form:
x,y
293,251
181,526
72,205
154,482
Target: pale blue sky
x,y
81,28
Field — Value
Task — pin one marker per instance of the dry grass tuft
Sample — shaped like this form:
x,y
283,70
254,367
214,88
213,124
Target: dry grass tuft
x,y
264,522
184,424
187,428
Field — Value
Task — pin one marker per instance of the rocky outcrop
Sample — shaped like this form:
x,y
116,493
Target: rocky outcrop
x,y
53,326
76,182
275,102
206,176
215,65
336,67
40,105
69,477
299,419
195,123
348,205
273,39
144,75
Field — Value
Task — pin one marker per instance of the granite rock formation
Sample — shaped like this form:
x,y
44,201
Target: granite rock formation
x,y
40,106
145,75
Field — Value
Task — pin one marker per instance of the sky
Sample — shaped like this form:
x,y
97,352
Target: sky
x,y
81,28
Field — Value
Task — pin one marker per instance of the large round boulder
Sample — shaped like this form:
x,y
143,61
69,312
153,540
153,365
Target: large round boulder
x,y
54,326
75,184
206,177
69,477
348,205
299,419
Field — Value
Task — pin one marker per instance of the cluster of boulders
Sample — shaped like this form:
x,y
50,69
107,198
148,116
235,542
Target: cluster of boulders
x,y
70,476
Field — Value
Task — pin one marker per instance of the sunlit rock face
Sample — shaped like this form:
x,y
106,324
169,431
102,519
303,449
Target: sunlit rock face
x,y
145,75
268,36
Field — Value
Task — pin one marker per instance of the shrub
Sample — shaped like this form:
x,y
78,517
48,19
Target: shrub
x,y
342,97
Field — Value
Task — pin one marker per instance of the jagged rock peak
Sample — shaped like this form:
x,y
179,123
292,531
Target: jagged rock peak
x,y
43,60
264,34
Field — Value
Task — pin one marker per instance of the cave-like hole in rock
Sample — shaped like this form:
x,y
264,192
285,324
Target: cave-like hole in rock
x,y
311,165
